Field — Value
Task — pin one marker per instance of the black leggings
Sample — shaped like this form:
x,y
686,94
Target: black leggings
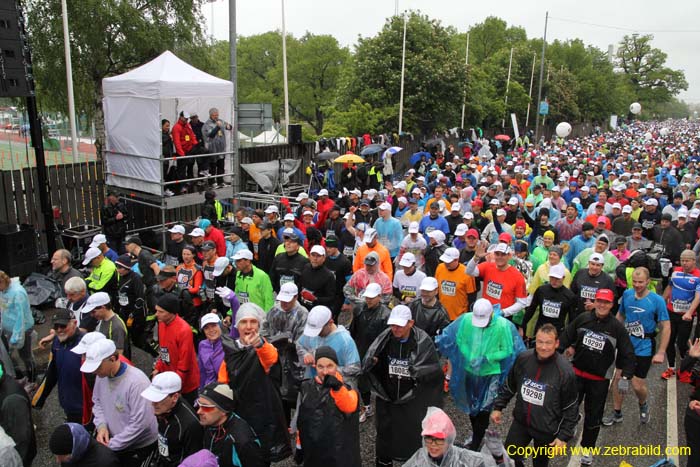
x,y
594,393
692,438
519,436
480,423
680,333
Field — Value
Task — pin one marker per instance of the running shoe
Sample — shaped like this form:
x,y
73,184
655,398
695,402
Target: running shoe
x,y
612,418
684,377
668,373
586,459
644,414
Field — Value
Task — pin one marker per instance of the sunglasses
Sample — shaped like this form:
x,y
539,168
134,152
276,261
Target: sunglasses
x,y
206,408
56,327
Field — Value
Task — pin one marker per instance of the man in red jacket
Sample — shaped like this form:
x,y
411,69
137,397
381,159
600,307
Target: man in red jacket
x,y
176,346
185,145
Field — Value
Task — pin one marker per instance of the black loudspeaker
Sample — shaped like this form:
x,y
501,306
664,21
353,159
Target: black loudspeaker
x,y
19,251
294,134
15,60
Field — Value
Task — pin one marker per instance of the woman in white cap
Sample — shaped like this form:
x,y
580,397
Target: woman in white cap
x,y
210,352
250,362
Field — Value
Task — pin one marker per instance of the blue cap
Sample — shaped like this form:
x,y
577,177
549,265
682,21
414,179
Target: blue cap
x,y
204,223
573,184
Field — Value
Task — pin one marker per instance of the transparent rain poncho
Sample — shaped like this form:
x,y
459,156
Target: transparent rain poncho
x,y
480,358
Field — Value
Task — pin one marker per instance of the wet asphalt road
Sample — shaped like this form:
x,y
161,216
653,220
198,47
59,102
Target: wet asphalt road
x,y
628,433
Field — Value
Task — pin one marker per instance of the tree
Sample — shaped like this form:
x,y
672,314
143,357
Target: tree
x,y
434,76
644,67
108,37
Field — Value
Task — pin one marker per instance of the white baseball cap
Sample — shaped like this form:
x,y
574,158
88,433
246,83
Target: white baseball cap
x,y
450,255
617,206
385,207
220,266
501,248
288,292
316,319
651,202
209,318
683,212
585,188
372,290
90,254
455,207
694,213
318,249
289,217
468,215
197,232
481,313
627,209
400,316
557,271
494,202
95,300
370,234
461,230
247,220
179,229
429,284
307,213
243,254
413,227
323,192
301,196
408,259
87,340
513,201
500,212
96,353
271,208
596,258
98,240
162,385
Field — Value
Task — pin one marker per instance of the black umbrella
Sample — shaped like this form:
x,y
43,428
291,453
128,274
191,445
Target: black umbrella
x,y
371,149
326,156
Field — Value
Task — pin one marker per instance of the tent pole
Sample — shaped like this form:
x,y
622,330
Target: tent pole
x,y
235,153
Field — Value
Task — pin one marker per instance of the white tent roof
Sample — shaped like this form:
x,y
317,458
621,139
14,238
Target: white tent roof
x,y
270,137
166,76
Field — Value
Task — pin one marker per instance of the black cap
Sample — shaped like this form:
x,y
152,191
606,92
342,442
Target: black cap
x,y
265,225
666,217
135,240
125,261
290,235
61,441
62,316
326,352
170,303
637,225
364,201
236,230
620,240
332,240
587,226
208,245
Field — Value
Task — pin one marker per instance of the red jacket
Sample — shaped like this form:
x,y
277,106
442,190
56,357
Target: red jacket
x,y
217,236
183,138
177,353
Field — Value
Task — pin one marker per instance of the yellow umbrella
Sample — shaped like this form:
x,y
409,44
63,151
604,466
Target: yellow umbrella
x,y
349,158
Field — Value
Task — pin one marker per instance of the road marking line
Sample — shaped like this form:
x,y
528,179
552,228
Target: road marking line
x,y
672,417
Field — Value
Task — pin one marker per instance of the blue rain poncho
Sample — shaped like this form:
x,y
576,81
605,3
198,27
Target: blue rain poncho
x,y
480,358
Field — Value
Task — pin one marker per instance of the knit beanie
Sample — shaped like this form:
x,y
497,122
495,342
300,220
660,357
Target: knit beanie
x,y
170,303
326,352
250,310
61,441
220,395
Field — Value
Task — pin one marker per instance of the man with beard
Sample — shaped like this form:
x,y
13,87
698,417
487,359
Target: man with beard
x,y
427,312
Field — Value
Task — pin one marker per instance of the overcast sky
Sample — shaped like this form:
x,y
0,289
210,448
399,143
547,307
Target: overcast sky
x,y
346,20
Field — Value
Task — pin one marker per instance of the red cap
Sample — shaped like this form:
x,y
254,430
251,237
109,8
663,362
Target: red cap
x,y
521,223
478,202
505,237
602,219
472,233
600,205
605,294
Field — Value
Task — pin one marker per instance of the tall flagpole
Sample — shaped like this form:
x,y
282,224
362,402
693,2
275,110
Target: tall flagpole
x,y
539,91
510,67
69,81
403,72
532,79
464,99
284,68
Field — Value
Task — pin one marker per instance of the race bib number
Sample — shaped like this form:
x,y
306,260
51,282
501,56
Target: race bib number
x,y
171,260
539,241
123,299
163,446
494,290
183,277
635,329
408,291
429,229
588,292
286,280
209,293
551,309
165,355
680,306
208,273
448,288
594,341
533,392
348,251
243,297
648,225
399,368
256,247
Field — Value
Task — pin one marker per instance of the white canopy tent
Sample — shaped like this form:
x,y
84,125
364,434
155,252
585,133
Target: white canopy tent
x,y
270,137
135,103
